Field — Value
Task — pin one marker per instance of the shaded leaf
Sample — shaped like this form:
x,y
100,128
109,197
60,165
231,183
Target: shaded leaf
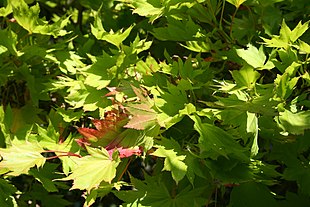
x,y
251,194
214,141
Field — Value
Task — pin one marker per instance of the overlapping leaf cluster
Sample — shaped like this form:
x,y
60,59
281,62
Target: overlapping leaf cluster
x,y
155,103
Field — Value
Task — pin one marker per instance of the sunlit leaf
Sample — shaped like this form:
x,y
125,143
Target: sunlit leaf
x,y
246,77
173,162
93,169
115,38
20,157
253,56
294,123
236,3
252,127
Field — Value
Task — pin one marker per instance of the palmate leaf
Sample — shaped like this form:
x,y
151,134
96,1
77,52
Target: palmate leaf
x,y
177,30
115,38
215,142
169,149
251,194
143,116
28,18
159,193
20,157
246,77
286,35
45,175
254,57
148,8
93,169
98,75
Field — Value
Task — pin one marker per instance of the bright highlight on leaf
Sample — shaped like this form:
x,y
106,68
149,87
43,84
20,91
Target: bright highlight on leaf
x,y
93,169
173,162
20,157
236,3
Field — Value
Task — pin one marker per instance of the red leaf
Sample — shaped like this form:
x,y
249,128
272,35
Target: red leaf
x,y
126,152
90,134
112,120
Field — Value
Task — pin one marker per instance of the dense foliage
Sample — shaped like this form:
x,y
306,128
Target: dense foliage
x,y
155,103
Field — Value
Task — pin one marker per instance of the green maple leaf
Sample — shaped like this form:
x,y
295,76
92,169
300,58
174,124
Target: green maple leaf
x,y
148,8
246,77
45,175
177,30
158,193
169,149
18,158
115,38
93,169
236,3
250,194
8,39
294,123
286,36
254,57
214,141
98,75
6,191
28,18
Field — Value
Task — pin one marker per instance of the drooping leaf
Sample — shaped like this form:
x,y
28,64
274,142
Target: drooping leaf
x,y
45,175
252,127
8,39
294,123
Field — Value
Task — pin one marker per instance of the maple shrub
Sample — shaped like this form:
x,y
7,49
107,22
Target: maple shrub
x,y
162,103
